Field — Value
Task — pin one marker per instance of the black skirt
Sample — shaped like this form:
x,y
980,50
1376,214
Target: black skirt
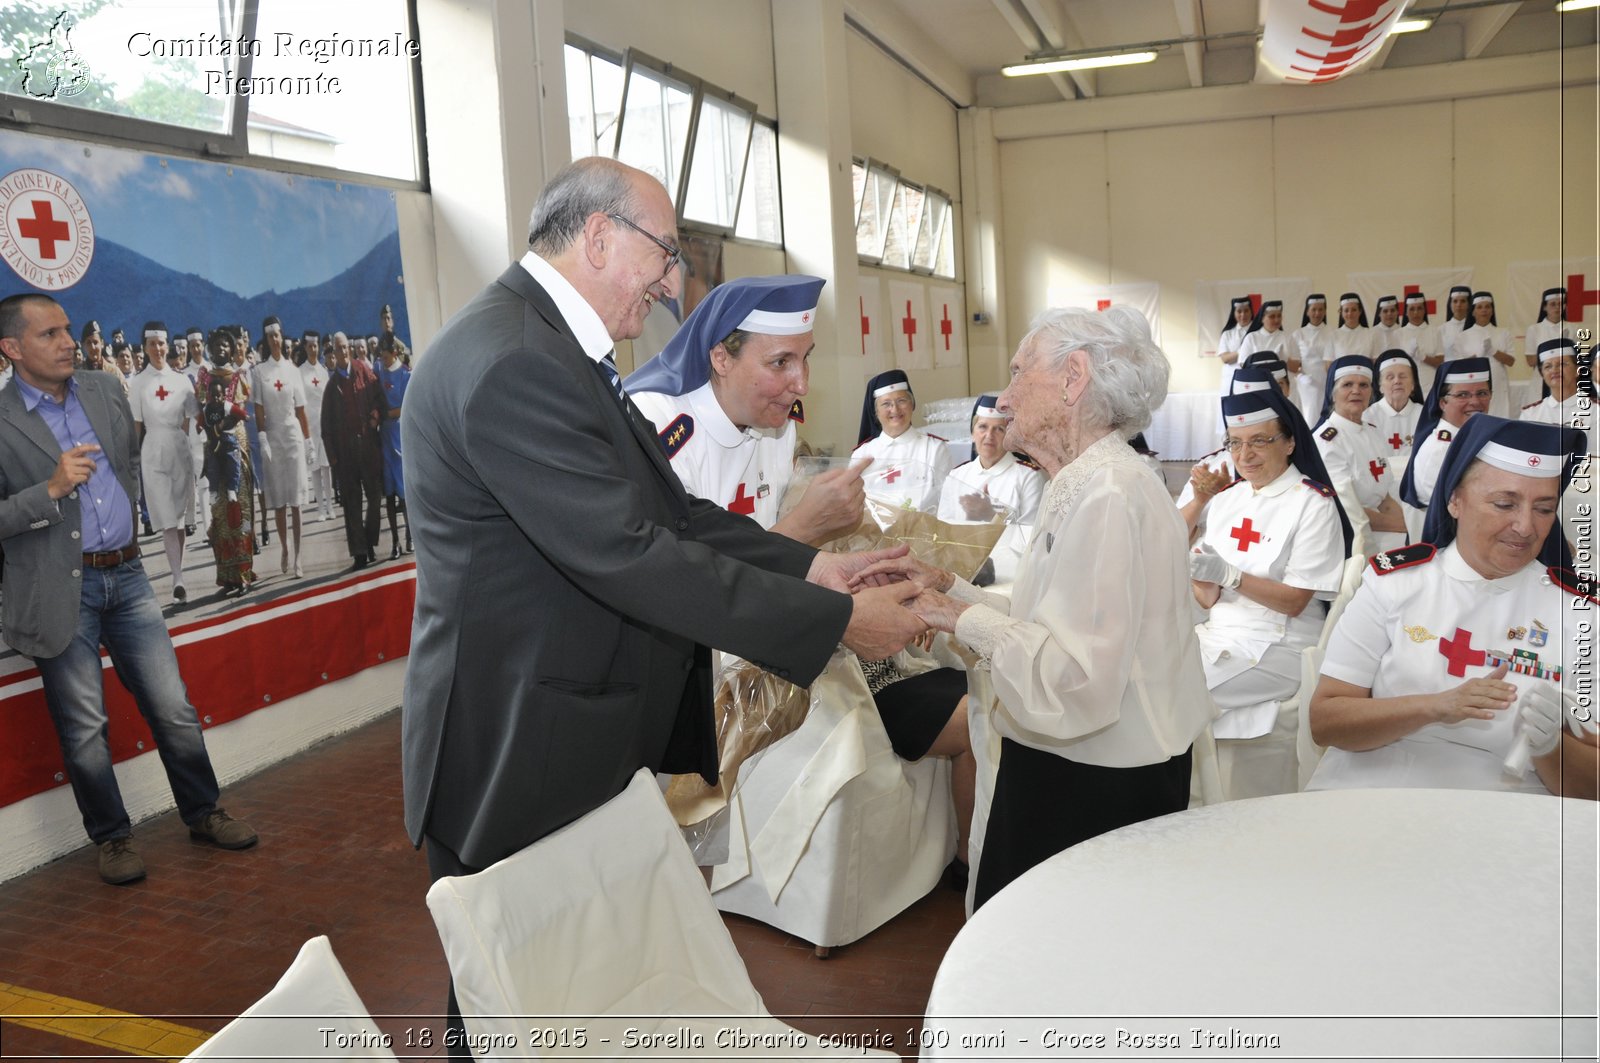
x,y
1044,803
915,709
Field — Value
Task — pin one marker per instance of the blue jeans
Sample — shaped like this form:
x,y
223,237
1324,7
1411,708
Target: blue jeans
x,y
119,609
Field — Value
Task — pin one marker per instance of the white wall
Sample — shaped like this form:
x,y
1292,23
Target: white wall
x,y
898,119
1470,180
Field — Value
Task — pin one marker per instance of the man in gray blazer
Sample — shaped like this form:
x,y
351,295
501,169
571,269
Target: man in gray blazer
x,y
69,471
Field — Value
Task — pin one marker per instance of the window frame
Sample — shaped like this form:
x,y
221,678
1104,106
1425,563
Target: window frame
x,y
703,91
875,166
618,59
744,183
45,118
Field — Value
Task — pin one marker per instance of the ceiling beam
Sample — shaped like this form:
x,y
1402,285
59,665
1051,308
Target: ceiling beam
x,y
1062,36
1026,33
1188,12
1484,24
912,45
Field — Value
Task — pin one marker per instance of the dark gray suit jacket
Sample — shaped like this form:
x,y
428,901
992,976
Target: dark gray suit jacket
x,y
567,587
43,538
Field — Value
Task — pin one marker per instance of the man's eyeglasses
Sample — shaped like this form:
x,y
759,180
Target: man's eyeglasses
x,y
674,254
1254,443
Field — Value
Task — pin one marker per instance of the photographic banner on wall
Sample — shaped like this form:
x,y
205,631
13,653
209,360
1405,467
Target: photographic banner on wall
x,y
1143,296
122,237
1434,282
1213,301
909,325
947,313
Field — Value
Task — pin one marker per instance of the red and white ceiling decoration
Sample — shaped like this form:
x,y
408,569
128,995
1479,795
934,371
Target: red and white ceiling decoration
x,y
1312,41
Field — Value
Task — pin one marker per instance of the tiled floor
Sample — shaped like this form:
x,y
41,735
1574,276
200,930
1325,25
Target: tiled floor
x,y
163,961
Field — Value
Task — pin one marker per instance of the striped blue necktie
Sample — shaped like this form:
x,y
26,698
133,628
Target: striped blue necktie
x,y
609,364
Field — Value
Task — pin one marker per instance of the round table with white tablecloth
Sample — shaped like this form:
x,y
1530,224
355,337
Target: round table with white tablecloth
x,y
1336,925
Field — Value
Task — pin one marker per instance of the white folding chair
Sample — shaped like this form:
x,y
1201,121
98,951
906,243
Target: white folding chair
x,y
313,1012
831,834
604,925
1307,752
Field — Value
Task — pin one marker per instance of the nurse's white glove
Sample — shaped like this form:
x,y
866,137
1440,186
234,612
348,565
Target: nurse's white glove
x,y
266,447
311,456
1544,709
1208,566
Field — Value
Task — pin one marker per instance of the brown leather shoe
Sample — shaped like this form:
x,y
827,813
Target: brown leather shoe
x,y
119,863
223,831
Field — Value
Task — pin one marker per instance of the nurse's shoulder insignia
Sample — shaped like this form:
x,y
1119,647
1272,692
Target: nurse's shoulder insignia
x,y
1574,584
1329,433
1443,435
1027,462
797,412
1320,488
676,434
1405,557
1534,404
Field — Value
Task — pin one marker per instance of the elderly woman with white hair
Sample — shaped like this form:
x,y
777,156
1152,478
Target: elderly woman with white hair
x,y
1094,657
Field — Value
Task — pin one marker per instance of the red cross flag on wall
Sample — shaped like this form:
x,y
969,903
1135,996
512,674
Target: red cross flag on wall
x,y
909,325
947,314
1143,296
869,308
1434,282
1213,301
1579,275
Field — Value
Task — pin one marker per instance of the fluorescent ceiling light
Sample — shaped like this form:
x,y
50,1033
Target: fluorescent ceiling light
x,y
1576,5
1417,25
1087,62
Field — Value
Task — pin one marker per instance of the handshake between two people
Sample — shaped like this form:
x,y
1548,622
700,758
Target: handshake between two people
x,y
897,599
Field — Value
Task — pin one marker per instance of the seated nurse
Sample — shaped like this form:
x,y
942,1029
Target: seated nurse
x,y
1459,664
725,397
1275,542
908,465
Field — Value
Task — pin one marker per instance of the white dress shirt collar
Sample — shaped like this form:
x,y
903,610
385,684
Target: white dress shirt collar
x,y
580,317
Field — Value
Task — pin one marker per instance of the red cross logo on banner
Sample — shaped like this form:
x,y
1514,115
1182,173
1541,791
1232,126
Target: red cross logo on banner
x,y
1247,535
1416,289
277,385
1459,652
1395,441
908,325
742,503
1579,297
1255,303
1376,469
866,323
1102,304
162,392
891,476
44,228
945,326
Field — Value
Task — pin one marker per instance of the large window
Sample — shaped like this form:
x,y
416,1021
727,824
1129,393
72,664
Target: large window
x,y
901,224
716,156
329,86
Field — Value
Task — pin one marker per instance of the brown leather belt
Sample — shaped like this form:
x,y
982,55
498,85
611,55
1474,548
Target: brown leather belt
x,y
111,558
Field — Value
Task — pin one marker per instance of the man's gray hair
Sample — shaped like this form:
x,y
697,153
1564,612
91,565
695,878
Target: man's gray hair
x,y
1127,371
588,186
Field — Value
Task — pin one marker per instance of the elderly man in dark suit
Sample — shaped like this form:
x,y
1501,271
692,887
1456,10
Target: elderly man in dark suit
x,y
69,471
567,588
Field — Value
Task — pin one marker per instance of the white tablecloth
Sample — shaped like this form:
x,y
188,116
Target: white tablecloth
x,y
1347,924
